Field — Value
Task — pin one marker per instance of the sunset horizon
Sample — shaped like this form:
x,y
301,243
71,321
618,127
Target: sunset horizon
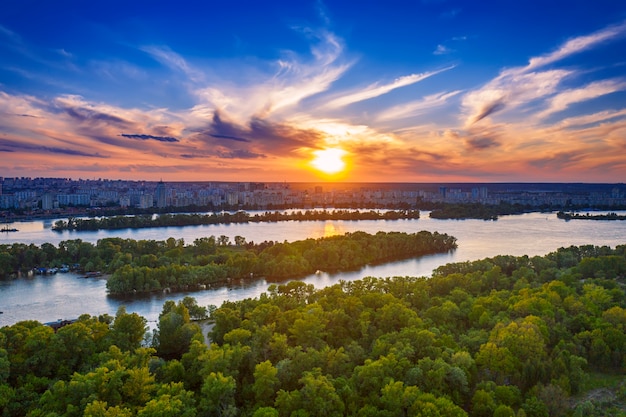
x,y
436,91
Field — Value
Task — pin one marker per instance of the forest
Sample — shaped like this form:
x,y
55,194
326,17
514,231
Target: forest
x,y
462,211
146,265
194,219
586,216
504,337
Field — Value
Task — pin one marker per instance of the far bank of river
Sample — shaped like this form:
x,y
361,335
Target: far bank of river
x,y
66,296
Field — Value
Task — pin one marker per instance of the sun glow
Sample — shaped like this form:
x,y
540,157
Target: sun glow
x,y
329,161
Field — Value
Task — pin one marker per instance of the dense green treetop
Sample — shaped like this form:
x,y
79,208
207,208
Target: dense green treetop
x,y
147,265
503,336
166,219
476,211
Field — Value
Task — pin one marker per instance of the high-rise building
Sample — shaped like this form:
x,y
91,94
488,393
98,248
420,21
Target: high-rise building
x,y
161,195
47,201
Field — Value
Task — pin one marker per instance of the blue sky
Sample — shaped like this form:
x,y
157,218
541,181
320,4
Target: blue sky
x,y
427,90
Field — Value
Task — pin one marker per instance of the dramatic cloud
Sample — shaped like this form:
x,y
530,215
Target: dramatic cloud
x,y
264,114
521,85
150,137
266,95
510,92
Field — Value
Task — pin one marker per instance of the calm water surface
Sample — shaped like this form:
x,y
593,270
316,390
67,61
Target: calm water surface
x,y
65,296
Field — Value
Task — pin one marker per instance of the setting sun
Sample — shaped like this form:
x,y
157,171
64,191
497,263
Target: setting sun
x,y
329,161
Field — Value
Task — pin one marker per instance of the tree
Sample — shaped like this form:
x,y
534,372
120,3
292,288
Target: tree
x,y
218,395
175,331
172,400
101,409
265,383
196,312
316,397
128,330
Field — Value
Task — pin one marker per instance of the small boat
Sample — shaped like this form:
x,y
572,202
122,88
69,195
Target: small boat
x,y
7,229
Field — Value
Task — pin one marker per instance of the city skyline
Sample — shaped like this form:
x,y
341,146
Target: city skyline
x,y
431,91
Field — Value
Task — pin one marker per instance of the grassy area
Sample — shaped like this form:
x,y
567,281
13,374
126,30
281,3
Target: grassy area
x,y
602,394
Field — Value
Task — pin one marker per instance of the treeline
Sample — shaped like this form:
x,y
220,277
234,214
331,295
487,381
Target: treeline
x,y
579,216
273,261
504,336
194,219
476,211
147,265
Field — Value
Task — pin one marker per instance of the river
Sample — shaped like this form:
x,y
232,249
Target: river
x,y
66,296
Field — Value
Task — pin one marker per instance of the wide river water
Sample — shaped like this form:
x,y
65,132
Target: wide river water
x,y
66,296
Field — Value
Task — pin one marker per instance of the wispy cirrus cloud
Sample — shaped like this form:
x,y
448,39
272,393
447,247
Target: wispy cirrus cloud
x,y
510,92
563,100
173,60
590,119
7,33
576,45
376,90
414,108
256,116
7,145
293,79
517,86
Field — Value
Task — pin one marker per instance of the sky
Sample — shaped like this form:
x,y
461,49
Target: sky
x,y
379,91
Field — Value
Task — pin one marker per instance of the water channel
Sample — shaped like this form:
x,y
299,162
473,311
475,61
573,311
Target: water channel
x,y
66,296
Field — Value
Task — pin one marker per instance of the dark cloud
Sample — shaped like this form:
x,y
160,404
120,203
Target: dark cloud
x,y
282,138
265,137
225,154
150,137
229,137
489,108
225,130
240,154
89,115
11,146
482,143
22,115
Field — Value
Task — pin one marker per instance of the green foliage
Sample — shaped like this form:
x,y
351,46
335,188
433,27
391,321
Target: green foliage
x,y
175,330
496,337
146,266
475,211
176,220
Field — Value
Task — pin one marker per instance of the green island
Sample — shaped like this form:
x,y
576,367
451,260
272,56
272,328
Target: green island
x,y
463,211
195,219
579,216
505,336
142,266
